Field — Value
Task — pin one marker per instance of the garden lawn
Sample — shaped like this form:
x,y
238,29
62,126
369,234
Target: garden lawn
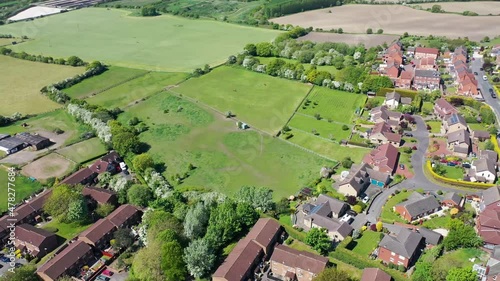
x,y
388,215
328,68
23,188
333,104
83,151
478,126
49,121
21,81
111,77
162,43
262,101
366,243
460,257
428,106
325,129
66,230
225,157
453,172
327,148
136,89
435,126
438,222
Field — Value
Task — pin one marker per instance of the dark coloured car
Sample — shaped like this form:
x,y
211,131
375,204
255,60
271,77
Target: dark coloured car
x,y
5,259
408,134
481,69
493,96
475,73
351,213
490,90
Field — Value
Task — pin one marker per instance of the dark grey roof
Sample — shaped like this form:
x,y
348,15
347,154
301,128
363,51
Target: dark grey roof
x,y
456,118
307,207
332,224
419,205
426,73
488,154
455,197
461,136
481,134
377,175
3,136
483,164
404,244
330,203
31,139
491,195
461,149
358,177
10,143
431,237
392,96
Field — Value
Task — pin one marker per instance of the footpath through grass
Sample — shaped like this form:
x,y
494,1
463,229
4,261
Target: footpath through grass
x,y
23,188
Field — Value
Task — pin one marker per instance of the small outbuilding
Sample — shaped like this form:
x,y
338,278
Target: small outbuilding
x,y
34,140
11,145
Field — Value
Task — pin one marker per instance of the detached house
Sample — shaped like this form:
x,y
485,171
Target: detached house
x,y
392,100
403,249
452,123
488,221
459,143
484,169
383,158
290,264
417,206
382,133
383,114
442,108
356,182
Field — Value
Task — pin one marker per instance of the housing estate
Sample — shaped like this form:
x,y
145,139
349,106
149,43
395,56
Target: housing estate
x,y
87,176
402,249
422,52
101,195
453,200
464,78
459,142
382,133
426,79
488,221
384,158
34,241
417,206
452,123
290,264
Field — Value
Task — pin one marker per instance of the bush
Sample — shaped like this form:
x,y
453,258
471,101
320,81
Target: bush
x,y
289,240
345,127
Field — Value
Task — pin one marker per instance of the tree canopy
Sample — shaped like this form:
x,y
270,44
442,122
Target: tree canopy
x,y
461,236
333,274
66,204
319,240
461,274
139,195
260,198
142,162
199,258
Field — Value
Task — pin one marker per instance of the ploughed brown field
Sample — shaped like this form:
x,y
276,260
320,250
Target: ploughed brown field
x,y
395,19
482,8
369,40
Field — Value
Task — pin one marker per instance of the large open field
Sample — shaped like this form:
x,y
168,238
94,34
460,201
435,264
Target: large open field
x,y
136,89
225,157
369,40
52,165
84,151
262,101
113,76
165,43
394,19
480,7
23,188
21,81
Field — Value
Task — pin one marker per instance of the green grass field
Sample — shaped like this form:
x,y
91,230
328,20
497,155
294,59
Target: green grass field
x,y
478,126
262,101
332,104
388,215
453,172
366,243
328,68
225,158
136,89
435,126
21,81
325,129
23,188
163,43
83,151
438,222
66,230
111,77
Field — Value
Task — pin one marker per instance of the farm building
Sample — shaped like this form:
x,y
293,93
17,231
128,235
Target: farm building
x,y
11,145
4,136
36,141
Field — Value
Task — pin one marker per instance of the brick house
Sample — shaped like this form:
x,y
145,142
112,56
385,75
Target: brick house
x,y
452,123
375,274
383,158
382,133
403,249
125,216
101,195
291,264
34,241
383,114
417,206
405,79
99,234
427,63
453,200
426,79
421,52
442,108
84,176
392,72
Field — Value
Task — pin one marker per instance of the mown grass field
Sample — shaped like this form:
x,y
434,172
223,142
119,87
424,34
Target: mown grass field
x,y
23,188
136,89
111,77
336,105
321,127
262,101
225,157
83,151
163,43
21,81
366,243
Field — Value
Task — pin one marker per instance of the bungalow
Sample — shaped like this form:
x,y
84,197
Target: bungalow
x,y
11,145
421,52
431,238
453,200
392,100
68,262
336,229
34,241
442,108
383,158
101,195
452,123
459,142
426,79
99,234
382,133
326,206
291,264
375,274
36,141
403,249
84,176
417,206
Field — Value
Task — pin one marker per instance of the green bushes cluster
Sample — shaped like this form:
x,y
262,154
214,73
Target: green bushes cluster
x,y
72,61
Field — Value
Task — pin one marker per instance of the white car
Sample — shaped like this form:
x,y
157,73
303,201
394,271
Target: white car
x,y
346,218
485,78
366,199
123,166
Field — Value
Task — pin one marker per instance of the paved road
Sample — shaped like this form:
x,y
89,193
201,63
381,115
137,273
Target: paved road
x,y
485,86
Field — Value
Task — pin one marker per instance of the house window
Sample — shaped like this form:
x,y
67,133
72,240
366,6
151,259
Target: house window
x,y
391,259
393,254
400,263
401,258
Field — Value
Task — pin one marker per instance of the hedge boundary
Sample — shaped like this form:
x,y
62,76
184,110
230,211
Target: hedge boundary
x,y
458,182
403,93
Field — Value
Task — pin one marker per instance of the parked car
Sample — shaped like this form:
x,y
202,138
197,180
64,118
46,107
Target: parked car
x,y
366,199
102,278
443,161
451,164
402,166
475,73
407,134
493,95
5,259
490,90
485,78
346,218
123,166
481,69
352,213
466,165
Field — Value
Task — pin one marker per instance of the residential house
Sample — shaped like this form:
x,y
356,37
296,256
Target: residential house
x,y
34,241
30,212
250,251
291,264
4,136
11,145
417,206
99,234
403,249
375,274
460,54
488,221
467,84
431,238
392,72
377,178
84,176
442,108
452,123
491,270
484,169
405,79
392,100
36,141
383,114
336,229
125,216
326,206
384,158
426,79
68,262
480,135
356,182
421,52
101,195
446,56
108,163
453,200
425,63
382,133
459,143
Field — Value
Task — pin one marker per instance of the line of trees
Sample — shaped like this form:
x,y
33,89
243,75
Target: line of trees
x,y
72,61
292,7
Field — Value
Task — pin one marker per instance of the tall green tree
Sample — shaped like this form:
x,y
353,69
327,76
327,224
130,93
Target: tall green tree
x,y
461,236
223,224
264,49
199,258
376,82
461,274
104,209
319,240
333,274
260,198
172,263
139,195
142,162
24,273
147,263
196,221
66,204
123,238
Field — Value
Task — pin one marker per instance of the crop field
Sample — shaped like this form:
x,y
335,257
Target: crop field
x,y
321,127
334,105
28,78
394,19
136,89
52,165
24,188
225,157
480,7
110,35
369,40
84,151
113,76
262,101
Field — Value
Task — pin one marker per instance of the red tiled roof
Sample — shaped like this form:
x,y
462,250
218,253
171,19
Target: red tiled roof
x,y
384,157
427,50
264,231
30,234
100,195
406,75
122,214
98,230
57,266
78,177
299,259
375,274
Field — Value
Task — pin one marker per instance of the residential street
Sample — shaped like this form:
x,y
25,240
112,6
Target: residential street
x,y
485,85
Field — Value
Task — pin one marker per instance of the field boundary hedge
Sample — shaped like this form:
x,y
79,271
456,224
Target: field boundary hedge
x,y
403,93
457,182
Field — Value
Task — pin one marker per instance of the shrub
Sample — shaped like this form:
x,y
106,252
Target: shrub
x,y
345,127
289,240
